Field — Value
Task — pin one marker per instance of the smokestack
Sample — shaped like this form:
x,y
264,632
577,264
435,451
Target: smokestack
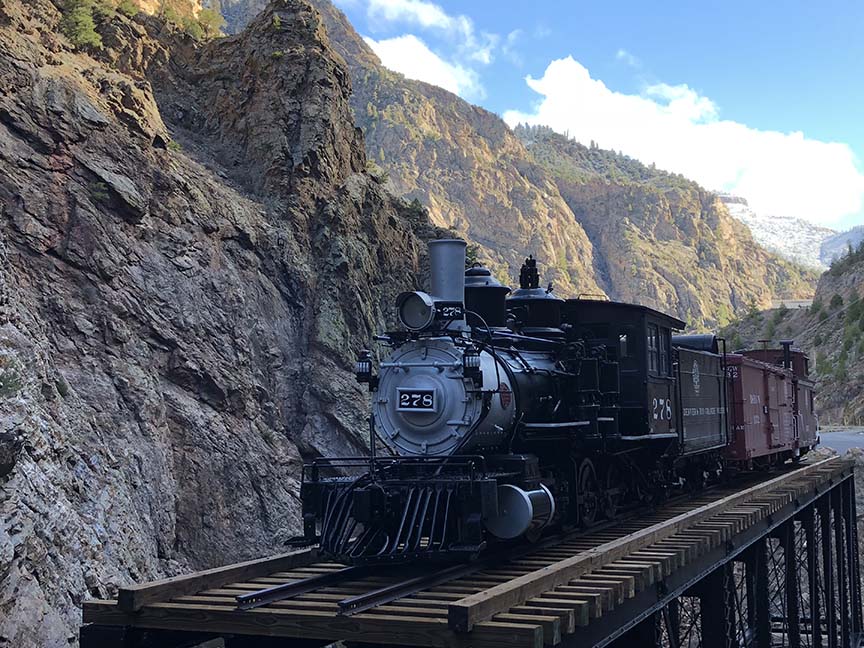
x,y
787,353
447,269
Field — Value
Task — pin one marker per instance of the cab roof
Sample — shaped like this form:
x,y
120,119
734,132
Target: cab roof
x,y
614,311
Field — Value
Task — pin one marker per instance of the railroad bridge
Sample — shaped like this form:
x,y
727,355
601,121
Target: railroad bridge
x,y
772,561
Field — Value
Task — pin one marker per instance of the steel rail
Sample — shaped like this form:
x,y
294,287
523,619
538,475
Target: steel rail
x,y
406,587
286,591
417,582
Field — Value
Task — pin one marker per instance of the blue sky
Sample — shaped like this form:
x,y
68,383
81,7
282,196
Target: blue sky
x,y
760,99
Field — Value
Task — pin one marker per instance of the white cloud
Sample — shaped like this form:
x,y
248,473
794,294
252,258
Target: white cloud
x,y
628,58
681,131
410,56
508,47
474,46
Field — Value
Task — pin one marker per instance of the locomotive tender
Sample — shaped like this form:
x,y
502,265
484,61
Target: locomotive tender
x,y
507,415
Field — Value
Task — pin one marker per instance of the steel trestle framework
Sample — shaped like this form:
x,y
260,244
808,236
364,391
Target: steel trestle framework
x,y
791,581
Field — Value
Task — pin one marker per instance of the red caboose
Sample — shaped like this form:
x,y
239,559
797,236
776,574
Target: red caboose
x,y
771,406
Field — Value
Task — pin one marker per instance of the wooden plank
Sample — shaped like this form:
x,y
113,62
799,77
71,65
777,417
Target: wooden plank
x,y
551,624
583,610
600,598
463,614
668,560
723,531
681,553
314,625
625,586
700,542
134,597
615,588
655,567
644,576
566,616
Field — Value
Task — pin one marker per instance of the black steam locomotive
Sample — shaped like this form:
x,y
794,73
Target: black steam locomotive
x,y
507,415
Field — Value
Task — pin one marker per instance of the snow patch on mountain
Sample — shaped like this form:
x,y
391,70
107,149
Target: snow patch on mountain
x,y
836,246
792,238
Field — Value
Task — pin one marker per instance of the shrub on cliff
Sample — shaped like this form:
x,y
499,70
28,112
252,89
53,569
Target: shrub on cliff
x,y
211,22
128,8
78,24
10,379
193,28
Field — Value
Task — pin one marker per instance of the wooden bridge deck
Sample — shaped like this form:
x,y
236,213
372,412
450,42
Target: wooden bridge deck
x,y
540,599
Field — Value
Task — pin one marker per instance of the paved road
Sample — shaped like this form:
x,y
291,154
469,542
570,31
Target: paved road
x,y
842,441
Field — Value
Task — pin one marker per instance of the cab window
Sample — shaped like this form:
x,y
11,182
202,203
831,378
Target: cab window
x,y
653,347
623,346
664,352
627,343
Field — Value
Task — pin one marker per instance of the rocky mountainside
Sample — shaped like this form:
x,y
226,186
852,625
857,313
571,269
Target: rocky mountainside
x,y
191,252
516,193
465,165
661,239
792,238
832,333
506,194
237,13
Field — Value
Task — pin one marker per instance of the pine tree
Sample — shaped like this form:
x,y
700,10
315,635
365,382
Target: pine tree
x,y
78,25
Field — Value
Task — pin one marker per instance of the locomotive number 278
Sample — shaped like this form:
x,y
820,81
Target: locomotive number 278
x,y
416,399
662,409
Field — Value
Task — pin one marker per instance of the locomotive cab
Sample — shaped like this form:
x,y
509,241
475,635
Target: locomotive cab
x,y
638,338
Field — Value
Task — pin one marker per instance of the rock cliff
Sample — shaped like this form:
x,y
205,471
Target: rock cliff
x,y
792,238
836,246
191,251
466,165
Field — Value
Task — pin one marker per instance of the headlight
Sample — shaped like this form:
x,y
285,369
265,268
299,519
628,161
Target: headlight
x,y
416,310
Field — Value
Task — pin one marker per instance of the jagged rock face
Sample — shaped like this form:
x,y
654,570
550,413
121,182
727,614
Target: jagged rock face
x,y
837,245
237,13
177,328
792,238
677,251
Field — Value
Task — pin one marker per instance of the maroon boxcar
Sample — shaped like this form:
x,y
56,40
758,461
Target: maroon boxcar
x,y
771,406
